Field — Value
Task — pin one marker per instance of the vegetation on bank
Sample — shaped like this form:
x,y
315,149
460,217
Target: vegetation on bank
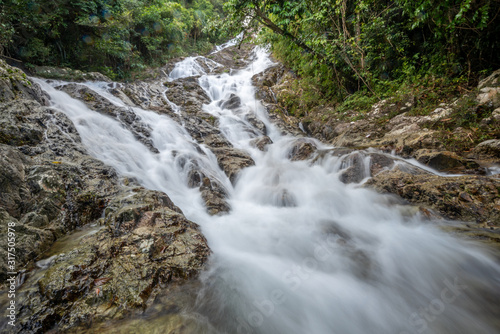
x,y
348,55
367,49
114,37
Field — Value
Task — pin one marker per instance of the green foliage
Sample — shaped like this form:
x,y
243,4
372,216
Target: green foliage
x,y
116,36
374,45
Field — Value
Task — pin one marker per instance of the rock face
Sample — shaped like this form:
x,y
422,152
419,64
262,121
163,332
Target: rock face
x,y
146,245
50,186
467,198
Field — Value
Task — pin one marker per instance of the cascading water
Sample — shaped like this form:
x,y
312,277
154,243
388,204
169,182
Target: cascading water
x,y
300,251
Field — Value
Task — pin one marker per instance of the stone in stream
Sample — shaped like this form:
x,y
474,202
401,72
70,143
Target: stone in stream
x,y
488,150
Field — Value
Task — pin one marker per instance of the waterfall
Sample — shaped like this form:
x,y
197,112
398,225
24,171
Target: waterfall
x,y
300,251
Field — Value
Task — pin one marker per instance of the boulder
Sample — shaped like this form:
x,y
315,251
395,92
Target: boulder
x,y
489,97
492,80
147,245
488,150
232,161
232,103
261,142
467,198
444,161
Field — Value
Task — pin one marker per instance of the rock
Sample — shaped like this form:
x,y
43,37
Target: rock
x,y
261,142
233,57
187,94
214,195
68,74
355,170
232,161
488,150
467,198
232,103
444,160
256,122
147,246
380,162
489,97
269,77
265,80
17,125
302,150
495,115
14,84
491,81
15,194
50,186
96,102
212,191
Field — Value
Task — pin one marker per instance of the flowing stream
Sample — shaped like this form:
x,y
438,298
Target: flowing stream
x,y
300,251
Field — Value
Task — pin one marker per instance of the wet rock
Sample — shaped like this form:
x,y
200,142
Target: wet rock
x,y
261,142
187,94
269,77
232,103
232,161
444,160
491,81
68,74
302,150
234,57
466,198
354,169
98,103
265,80
14,84
214,195
212,191
380,162
256,122
147,95
18,127
15,194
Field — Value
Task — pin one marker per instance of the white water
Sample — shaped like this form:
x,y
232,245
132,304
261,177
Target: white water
x,y
300,252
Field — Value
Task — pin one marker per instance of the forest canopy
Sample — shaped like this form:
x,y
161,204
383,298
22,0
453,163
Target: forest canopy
x,y
111,36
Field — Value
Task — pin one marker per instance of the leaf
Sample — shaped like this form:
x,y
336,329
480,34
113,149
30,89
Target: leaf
x,y
102,281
